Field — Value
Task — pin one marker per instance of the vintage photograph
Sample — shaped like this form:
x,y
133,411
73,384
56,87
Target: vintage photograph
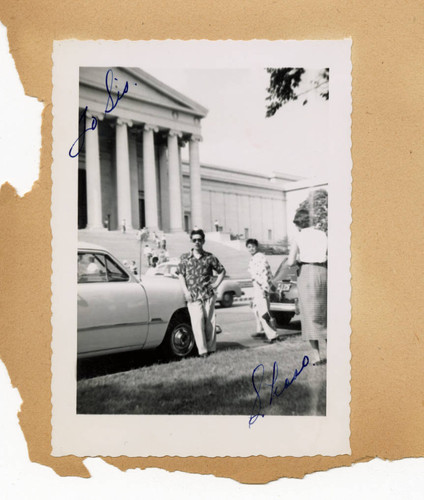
x,y
202,264
204,240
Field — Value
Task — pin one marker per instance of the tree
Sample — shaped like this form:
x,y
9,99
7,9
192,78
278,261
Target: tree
x,y
317,205
286,84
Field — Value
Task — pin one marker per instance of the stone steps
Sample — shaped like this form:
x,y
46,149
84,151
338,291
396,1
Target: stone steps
x,y
126,247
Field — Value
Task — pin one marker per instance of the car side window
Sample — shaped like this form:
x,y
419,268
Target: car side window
x,y
91,268
115,273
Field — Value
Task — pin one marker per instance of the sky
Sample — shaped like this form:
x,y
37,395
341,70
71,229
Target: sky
x,y
236,133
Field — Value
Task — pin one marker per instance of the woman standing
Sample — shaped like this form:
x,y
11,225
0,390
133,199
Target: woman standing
x,y
309,251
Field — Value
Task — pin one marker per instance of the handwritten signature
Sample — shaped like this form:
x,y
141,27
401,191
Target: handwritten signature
x,y
79,143
258,375
111,104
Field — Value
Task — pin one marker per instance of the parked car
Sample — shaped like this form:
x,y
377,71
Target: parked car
x,y
225,293
283,300
118,312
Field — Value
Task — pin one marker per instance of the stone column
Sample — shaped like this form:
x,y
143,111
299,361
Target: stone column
x,y
149,176
93,176
195,182
175,202
164,186
133,139
181,144
123,173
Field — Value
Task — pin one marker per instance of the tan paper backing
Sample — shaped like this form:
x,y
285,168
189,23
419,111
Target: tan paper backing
x,y
387,410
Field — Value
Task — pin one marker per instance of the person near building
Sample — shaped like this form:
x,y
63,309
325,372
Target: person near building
x,y
195,272
163,241
157,240
153,268
260,273
216,224
133,267
309,251
163,255
148,254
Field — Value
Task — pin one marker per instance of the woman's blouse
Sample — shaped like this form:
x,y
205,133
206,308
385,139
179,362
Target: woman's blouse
x,y
260,271
312,245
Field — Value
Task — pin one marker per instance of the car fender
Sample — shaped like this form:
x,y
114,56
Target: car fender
x,y
228,286
164,296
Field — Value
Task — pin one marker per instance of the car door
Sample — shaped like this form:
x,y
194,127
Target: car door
x,y
112,306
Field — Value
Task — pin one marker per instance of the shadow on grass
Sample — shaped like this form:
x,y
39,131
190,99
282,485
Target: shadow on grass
x,y
213,395
223,346
116,363
127,361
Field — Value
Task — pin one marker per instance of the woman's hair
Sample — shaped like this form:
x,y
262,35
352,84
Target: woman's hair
x,y
302,219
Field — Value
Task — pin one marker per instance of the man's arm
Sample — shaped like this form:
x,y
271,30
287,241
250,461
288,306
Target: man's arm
x,y
184,288
219,279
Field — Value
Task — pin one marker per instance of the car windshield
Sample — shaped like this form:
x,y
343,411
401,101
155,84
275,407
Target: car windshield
x,y
98,268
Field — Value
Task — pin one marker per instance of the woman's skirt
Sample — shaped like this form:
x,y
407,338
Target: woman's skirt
x,y
312,287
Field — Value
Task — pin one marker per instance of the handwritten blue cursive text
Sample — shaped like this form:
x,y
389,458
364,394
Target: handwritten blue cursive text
x,y
275,392
111,104
79,143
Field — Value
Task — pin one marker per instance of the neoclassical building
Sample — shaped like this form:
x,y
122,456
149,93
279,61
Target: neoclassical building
x,y
130,168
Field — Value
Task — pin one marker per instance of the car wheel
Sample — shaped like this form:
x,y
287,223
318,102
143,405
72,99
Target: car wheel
x,y
180,339
227,299
282,318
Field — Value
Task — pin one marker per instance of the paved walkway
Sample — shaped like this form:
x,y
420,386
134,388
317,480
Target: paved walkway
x,y
238,324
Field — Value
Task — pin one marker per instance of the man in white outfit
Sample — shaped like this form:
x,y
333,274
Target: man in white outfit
x,y
261,278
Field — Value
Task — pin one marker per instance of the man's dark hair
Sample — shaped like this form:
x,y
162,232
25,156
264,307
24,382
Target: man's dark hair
x,y
155,259
199,232
252,241
302,219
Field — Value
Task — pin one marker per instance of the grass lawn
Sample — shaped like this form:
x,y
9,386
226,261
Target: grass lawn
x,y
218,385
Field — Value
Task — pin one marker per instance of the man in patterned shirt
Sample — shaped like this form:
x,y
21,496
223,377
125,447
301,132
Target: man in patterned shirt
x,y
195,273
261,277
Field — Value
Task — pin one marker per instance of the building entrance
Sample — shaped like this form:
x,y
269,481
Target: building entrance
x,y
186,223
141,212
82,199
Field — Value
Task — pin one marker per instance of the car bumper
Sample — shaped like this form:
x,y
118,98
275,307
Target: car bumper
x,y
282,307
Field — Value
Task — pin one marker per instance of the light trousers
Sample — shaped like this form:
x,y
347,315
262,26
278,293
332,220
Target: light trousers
x,y
202,315
261,308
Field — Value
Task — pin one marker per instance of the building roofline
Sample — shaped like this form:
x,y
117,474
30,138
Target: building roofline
x,y
250,173
250,179
182,103
165,89
284,176
305,183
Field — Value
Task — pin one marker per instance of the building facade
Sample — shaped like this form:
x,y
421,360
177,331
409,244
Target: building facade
x,y
131,172
130,167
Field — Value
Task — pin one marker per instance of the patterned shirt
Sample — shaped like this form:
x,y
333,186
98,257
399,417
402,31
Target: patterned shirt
x,y
198,273
260,271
